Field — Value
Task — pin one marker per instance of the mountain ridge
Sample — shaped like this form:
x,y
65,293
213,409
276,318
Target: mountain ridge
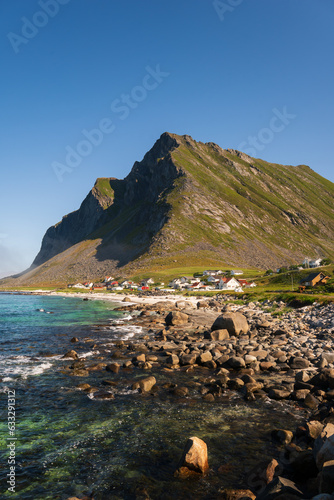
x,y
196,200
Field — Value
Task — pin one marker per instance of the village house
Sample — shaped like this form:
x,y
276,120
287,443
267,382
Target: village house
x,y
246,284
108,279
212,273
312,280
312,262
236,272
229,284
214,279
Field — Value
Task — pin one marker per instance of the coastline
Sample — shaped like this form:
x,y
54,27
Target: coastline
x,y
276,363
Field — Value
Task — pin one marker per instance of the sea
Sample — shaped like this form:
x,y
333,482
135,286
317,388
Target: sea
x,y
59,442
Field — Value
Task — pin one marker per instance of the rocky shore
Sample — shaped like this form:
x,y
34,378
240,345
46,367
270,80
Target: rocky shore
x,y
217,349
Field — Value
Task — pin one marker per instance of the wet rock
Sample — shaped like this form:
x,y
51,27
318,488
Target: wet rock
x,y
282,435
145,384
262,474
231,494
282,489
113,367
235,323
103,395
194,458
74,339
176,318
71,354
180,392
209,397
84,387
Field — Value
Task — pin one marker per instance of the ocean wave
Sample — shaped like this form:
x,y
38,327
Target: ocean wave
x,y
22,366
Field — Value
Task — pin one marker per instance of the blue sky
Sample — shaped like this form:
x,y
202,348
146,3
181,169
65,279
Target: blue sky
x,y
218,71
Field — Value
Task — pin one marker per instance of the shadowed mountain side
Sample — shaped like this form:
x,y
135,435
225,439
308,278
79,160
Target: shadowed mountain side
x,y
195,202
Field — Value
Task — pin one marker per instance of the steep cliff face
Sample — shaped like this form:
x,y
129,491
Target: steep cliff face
x,y
77,225
188,201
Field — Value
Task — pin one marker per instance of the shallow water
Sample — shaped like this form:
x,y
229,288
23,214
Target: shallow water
x,y
70,444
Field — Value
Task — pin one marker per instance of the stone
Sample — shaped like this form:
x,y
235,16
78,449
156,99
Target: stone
x,y
145,384
205,356
113,367
314,428
278,394
235,323
327,431
282,435
282,489
188,359
74,339
262,474
235,384
217,335
231,494
300,394
194,457
298,363
181,392
236,362
327,477
173,359
176,318
249,359
326,452
311,402
71,354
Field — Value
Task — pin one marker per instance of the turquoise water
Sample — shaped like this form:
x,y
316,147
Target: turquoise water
x,y
69,444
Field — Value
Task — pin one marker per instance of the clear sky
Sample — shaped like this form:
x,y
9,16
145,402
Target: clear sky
x,y
255,75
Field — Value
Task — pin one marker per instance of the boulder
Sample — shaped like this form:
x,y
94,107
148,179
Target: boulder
x,y
282,435
278,394
234,323
327,431
194,458
231,494
71,354
282,489
327,477
236,362
217,335
204,357
145,384
188,359
176,318
113,367
326,453
298,363
173,359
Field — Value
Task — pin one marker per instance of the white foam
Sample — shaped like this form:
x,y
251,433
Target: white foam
x,y
22,366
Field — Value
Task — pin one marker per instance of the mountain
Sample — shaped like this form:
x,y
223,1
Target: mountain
x,y
190,202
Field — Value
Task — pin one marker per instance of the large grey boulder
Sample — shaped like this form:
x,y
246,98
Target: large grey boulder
x,y
235,323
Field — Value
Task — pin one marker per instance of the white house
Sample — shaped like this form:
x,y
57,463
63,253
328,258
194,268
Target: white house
x,y
229,284
213,279
236,272
210,272
315,262
175,282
